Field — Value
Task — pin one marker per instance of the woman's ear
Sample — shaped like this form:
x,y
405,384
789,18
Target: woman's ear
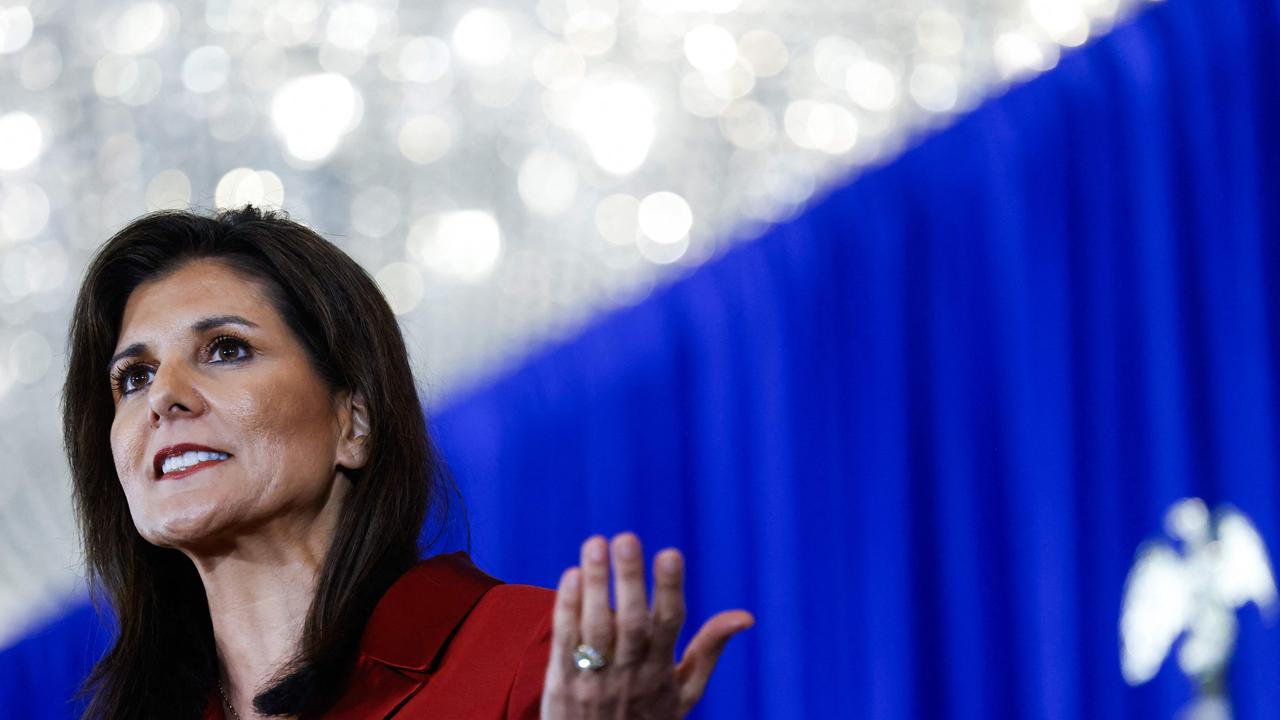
x,y
353,444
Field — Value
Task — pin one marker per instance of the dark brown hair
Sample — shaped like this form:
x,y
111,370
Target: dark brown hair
x,y
163,662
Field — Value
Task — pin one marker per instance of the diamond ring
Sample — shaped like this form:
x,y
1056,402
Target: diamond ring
x,y
588,658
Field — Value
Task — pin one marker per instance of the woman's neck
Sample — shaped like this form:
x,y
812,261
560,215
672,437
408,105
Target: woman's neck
x,y
258,612
259,593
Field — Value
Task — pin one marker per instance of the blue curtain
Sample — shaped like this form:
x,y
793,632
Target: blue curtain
x,y
921,429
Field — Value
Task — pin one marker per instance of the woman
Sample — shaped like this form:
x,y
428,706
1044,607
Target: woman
x,y
252,472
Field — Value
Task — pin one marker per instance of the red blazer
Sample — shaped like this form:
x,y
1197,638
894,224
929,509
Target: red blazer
x,y
448,641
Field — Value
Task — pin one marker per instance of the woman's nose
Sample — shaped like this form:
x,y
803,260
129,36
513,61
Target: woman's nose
x,y
172,395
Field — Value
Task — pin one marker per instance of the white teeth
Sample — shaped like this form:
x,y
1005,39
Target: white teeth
x,y
177,463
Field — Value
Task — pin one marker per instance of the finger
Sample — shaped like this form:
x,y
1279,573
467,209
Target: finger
x,y
596,627
629,591
565,618
668,605
704,651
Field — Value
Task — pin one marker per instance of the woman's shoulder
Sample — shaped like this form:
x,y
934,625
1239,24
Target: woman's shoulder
x,y
511,621
428,607
515,616
517,601
450,591
482,643
453,579
496,664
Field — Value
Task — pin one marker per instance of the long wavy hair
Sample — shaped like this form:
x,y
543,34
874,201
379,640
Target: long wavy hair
x,y
163,662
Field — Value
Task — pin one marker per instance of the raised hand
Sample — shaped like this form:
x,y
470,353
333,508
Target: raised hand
x,y
619,663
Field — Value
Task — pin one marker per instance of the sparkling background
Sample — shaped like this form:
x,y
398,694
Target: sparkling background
x,y
504,170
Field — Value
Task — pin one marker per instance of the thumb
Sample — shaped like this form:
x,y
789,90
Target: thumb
x,y
703,652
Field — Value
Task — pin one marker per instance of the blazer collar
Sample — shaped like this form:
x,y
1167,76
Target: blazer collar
x,y
412,624
406,636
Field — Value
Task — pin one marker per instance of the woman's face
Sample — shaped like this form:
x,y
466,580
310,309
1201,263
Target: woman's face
x,y
222,427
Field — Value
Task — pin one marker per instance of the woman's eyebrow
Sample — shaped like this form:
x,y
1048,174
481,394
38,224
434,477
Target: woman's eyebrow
x,y
199,326
210,323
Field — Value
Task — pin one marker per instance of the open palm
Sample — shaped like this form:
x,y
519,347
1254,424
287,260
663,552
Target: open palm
x,y
635,675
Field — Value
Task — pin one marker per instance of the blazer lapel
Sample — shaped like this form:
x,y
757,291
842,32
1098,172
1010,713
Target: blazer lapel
x,y
408,633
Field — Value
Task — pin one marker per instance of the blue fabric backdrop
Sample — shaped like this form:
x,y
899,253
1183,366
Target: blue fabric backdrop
x,y
921,429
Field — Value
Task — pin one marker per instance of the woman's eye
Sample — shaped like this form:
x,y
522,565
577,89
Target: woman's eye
x,y
229,350
133,378
139,377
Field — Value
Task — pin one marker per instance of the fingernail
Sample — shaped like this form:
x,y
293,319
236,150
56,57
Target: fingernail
x,y
670,562
571,580
596,550
626,548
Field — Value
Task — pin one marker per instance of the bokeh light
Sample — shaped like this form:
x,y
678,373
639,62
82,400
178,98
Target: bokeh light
x,y
138,27
352,26
664,217
16,25
246,186
617,121
871,85
824,126
1064,20
591,31
617,218
40,66
748,125
933,87
482,37
169,190
1018,54
710,48
401,283
461,244
425,139
547,182
24,211
764,51
559,66
206,68
312,113
20,140
423,59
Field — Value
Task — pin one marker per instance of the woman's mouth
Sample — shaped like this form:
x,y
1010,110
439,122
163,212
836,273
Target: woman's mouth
x,y
193,460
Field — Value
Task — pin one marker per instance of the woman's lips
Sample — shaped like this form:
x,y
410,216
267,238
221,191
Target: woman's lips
x,y
194,468
158,462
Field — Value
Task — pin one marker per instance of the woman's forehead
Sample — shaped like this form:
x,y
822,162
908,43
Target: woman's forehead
x,y
200,290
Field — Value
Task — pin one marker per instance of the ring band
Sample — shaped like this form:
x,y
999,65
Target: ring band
x,y
589,658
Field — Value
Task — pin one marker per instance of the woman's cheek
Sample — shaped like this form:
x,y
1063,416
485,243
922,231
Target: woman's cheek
x,y
127,448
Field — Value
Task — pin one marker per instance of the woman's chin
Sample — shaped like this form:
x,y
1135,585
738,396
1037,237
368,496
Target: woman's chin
x,y
185,528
